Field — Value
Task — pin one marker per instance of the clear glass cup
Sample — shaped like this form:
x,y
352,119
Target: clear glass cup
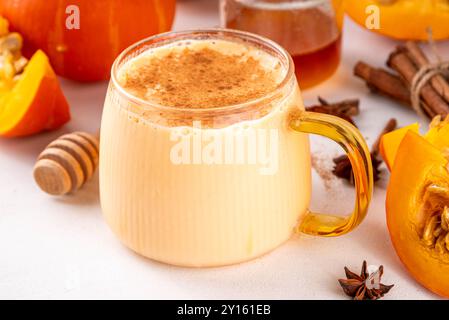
x,y
310,30
204,213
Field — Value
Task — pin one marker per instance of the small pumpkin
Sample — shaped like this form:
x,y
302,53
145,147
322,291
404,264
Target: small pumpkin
x,y
83,37
404,19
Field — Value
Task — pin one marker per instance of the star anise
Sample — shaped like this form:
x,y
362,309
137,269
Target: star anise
x,y
359,288
343,168
345,109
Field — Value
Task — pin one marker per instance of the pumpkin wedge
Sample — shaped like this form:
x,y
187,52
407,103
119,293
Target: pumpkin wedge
x,y
438,135
390,142
35,103
417,208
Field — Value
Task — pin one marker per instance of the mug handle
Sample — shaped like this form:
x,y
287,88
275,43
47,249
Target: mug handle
x,y
347,136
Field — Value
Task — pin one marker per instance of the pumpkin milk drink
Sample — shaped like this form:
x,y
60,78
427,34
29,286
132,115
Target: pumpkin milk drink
x,y
199,165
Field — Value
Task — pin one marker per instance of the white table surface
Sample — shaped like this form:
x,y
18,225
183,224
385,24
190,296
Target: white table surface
x,y
60,248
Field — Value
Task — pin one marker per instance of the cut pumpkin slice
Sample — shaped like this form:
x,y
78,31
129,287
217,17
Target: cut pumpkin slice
x,y
390,142
417,208
35,103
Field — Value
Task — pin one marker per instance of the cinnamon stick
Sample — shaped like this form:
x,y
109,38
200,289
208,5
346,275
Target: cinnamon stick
x,y
438,82
383,82
400,61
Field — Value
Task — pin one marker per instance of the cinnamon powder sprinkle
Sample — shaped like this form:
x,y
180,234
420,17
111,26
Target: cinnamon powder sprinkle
x,y
198,78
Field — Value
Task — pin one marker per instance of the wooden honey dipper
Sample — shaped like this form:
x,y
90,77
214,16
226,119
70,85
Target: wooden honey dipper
x,y
67,163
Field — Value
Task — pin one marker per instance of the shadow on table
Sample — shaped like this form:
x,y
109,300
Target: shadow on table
x,y
88,195
27,149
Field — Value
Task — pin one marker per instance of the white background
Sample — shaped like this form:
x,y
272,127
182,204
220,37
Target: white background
x,y
62,248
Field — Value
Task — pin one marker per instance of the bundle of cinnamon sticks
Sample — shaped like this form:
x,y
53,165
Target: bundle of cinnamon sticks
x,y
406,61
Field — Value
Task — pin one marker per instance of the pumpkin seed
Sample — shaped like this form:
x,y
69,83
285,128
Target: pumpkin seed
x,y
440,244
428,234
438,190
7,70
445,219
438,231
446,240
12,42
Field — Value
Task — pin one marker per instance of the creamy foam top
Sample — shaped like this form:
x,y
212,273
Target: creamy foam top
x,y
201,74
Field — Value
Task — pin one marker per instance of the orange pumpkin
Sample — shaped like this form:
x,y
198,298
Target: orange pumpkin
x,y
83,37
417,203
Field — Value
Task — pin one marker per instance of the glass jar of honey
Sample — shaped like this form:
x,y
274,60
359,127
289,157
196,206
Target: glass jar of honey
x,y
310,30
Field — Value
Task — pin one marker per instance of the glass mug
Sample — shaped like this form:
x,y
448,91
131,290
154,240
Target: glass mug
x,y
310,30
214,214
